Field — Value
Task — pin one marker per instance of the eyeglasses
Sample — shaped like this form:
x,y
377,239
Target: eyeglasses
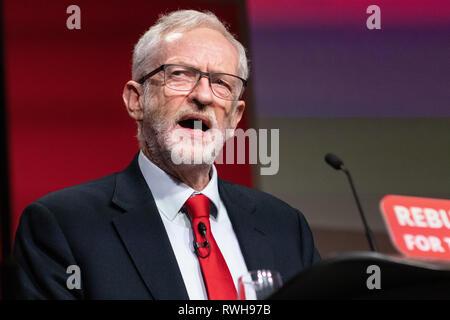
x,y
184,78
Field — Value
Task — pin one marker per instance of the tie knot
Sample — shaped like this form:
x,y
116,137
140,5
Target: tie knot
x,y
198,206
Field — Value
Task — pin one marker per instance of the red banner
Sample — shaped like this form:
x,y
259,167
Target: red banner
x,y
418,227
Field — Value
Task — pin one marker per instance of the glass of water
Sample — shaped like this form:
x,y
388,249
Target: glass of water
x,y
258,284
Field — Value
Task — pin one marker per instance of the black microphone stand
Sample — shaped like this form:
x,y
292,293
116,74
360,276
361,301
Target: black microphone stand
x,y
367,230
335,162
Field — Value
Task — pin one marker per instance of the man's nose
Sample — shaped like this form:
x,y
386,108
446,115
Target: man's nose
x,y
202,93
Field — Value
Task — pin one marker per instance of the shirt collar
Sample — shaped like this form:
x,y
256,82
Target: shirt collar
x,y
170,194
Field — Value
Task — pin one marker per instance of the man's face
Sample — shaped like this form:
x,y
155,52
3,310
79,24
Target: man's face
x,y
169,115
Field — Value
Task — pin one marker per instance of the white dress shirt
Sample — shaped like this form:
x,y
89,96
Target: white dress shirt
x,y
170,196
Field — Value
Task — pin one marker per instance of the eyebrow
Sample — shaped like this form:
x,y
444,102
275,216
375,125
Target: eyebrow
x,y
195,67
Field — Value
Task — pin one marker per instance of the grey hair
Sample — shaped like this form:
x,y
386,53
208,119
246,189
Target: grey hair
x,y
146,50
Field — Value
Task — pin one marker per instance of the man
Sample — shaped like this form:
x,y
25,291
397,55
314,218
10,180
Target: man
x,y
166,227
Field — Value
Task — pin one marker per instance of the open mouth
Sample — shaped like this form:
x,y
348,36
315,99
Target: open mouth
x,y
194,123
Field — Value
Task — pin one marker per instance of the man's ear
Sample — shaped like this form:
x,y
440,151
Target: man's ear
x,y
238,113
132,94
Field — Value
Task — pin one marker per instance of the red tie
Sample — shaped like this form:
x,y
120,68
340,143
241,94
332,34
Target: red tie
x,y
218,281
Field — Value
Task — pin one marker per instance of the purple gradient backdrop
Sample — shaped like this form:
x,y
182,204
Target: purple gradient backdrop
x,y
320,60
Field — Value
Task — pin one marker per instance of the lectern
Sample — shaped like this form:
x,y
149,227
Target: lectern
x,y
346,276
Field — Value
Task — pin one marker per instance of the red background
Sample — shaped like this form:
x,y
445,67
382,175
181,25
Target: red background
x,y
67,123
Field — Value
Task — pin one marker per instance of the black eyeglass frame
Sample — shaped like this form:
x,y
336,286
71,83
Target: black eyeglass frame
x,y
207,74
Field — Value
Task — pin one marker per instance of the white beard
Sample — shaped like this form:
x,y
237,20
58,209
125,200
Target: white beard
x,y
167,142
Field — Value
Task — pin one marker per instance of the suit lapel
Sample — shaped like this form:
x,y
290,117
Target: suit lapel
x,y
248,226
143,234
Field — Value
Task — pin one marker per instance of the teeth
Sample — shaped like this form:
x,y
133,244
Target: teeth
x,y
193,124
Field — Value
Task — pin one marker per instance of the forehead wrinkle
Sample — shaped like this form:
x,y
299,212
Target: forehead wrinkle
x,y
181,61
210,51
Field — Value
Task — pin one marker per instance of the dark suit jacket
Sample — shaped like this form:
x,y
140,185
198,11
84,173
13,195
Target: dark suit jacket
x,y
111,229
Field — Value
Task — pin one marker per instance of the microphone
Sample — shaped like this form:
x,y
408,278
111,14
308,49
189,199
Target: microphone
x,y
201,227
338,164
334,161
